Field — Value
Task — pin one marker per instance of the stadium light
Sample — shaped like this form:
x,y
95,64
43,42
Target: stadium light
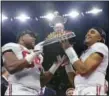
x,y
49,16
23,17
73,14
4,17
94,11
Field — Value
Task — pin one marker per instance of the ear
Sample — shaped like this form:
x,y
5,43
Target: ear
x,y
22,39
99,39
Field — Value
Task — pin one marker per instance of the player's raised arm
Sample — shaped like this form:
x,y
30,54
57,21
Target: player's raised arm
x,y
46,76
85,67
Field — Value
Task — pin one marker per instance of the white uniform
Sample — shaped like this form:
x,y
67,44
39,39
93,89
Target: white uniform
x,y
94,83
26,81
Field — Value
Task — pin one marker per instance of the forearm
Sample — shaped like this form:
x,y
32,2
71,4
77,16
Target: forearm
x,y
45,78
75,61
16,66
71,73
71,76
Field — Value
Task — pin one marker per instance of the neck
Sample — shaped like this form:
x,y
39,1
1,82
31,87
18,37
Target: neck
x,y
90,44
28,47
21,43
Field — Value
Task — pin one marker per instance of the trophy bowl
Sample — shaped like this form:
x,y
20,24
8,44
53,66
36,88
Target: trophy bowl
x,y
52,46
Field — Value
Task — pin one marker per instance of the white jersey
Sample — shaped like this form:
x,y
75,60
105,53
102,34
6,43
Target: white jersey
x,y
97,77
28,77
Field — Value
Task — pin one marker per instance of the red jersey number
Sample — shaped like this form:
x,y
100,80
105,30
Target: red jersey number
x,y
35,61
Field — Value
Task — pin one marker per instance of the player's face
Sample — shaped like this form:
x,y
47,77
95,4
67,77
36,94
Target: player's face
x,y
29,41
92,37
59,28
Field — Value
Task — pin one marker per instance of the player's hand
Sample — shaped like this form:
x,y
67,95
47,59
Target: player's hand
x,y
61,60
64,42
65,63
56,65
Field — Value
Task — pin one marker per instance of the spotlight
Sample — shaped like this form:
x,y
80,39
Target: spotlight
x,y
4,17
49,16
94,11
73,14
23,17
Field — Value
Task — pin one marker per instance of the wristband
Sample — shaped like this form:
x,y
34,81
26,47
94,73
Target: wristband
x,y
70,52
53,68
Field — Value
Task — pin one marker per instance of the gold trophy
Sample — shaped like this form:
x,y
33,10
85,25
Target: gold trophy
x,y
58,25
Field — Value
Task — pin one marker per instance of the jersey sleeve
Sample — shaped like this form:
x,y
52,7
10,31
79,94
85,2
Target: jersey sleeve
x,y
10,46
15,48
101,48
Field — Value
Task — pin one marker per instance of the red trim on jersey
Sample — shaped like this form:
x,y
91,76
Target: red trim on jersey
x,y
35,61
105,87
24,53
98,90
10,89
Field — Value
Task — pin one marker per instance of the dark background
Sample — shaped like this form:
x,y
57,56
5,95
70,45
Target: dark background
x,y
80,26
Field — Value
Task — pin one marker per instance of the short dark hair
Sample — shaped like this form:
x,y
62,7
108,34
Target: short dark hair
x,y
33,34
102,33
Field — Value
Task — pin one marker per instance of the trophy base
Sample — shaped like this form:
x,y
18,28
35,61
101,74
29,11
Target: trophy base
x,y
51,51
